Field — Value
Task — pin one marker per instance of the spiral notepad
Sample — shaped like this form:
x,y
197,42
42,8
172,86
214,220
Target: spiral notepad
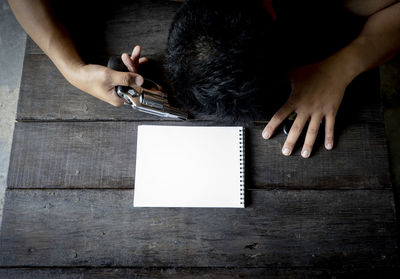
x,y
181,166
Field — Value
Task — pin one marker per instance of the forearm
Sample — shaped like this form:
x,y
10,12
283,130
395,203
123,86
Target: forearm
x,y
378,41
50,35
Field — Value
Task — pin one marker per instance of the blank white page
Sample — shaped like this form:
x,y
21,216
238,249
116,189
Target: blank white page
x,y
178,166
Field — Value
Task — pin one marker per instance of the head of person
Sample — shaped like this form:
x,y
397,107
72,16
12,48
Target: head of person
x,y
221,58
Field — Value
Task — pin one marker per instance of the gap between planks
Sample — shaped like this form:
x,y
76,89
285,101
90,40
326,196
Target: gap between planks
x,y
266,188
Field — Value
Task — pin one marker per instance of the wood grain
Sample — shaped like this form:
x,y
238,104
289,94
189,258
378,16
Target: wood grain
x,y
102,155
47,95
73,155
99,228
185,273
115,28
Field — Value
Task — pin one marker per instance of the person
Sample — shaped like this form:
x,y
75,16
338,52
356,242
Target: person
x,y
221,59
317,89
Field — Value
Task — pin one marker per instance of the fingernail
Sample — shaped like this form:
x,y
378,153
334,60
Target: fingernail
x,y
329,146
139,80
286,151
305,153
266,135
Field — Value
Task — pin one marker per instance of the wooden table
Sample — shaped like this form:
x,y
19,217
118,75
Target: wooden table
x,y
68,208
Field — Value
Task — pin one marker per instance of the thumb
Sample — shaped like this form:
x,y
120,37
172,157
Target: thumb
x,y
127,79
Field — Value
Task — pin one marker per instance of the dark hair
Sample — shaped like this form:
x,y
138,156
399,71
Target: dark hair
x,y
220,57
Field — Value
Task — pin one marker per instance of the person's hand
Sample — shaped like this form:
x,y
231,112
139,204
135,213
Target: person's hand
x,y
100,81
317,91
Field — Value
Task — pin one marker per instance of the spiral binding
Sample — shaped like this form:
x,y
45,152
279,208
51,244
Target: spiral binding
x,y
241,152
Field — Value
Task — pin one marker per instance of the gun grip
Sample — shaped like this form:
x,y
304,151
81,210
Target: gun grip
x,y
115,63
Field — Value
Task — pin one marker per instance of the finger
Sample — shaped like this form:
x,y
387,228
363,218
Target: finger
x,y
111,97
329,131
128,62
143,60
126,79
114,99
136,53
136,56
294,134
312,133
276,120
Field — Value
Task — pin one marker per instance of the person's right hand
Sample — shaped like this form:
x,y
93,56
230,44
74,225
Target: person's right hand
x,y
317,92
100,81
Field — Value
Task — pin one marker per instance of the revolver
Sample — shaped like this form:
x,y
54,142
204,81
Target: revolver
x,y
144,98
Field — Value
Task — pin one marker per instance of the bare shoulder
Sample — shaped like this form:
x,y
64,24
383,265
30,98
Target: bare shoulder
x,y
367,8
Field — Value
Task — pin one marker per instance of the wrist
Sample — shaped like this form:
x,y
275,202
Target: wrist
x,y
348,60
73,72
66,59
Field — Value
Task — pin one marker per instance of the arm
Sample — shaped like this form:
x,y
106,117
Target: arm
x,y
52,37
318,89
378,41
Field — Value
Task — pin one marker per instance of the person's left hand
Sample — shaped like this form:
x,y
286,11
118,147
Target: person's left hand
x,y
317,91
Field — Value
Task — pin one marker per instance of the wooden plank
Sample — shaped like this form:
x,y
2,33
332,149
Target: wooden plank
x,y
102,155
74,155
100,228
115,28
182,273
154,273
46,95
